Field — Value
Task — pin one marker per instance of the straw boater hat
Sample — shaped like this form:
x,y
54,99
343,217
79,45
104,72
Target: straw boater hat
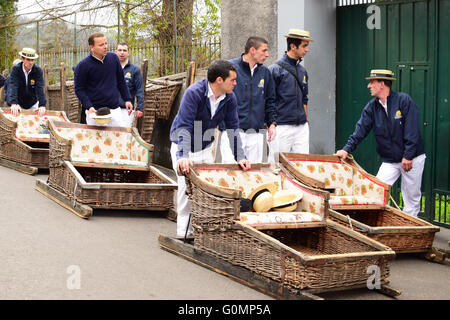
x,y
102,115
262,197
381,75
286,200
28,53
299,34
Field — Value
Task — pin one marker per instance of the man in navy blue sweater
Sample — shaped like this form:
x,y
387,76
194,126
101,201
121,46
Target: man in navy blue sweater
x,y
394,118
26,85
204,105
99,82
134,82
291,87
255,93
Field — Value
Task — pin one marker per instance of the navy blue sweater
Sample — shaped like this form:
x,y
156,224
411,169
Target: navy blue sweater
x,y
255,96
290,99
194,116
26,94
135,85
397,134
100,84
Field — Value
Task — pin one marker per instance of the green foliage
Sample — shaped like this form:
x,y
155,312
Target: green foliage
x,y
8,9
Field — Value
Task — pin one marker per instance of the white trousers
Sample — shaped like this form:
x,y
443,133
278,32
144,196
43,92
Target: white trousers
x,y
203,156
33,107
127,119
411,182
290,138
116,119
252,143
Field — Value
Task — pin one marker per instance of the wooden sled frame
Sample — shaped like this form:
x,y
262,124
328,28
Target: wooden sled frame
x,y
82,187
274,289
26,159
271,265
309,181
72,202
389,235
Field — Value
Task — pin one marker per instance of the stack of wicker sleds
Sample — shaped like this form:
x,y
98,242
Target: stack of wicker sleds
x,y
360,201
293,258
103,167
24,140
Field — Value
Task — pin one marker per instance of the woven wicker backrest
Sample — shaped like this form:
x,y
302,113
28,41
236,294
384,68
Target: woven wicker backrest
x,y
224,176
29,126
111,146
343,179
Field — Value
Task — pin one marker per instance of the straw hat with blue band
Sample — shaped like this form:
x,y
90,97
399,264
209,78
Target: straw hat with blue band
x,y
299,34
286,200
378,74
28,53
262,197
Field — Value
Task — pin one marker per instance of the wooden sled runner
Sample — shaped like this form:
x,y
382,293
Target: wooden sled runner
x,y
103,167
294,256
24,140
359,200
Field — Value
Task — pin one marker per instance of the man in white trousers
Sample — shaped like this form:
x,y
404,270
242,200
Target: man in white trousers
x,y
135,85
204,105
394,118
255,93
291,88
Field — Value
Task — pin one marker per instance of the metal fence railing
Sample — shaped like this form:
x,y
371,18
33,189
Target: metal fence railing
x,y
162,58
343,3
441,207
435,209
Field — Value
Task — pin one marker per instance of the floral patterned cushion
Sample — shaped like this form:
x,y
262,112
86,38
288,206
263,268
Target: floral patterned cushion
x,y
334,175
311,202
312,205
31,126
237,179
352,200
105,147
350,184
258,218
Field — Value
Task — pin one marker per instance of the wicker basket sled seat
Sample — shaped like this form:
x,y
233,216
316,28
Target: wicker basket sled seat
x,y
103,167
24,140
359,200
306,252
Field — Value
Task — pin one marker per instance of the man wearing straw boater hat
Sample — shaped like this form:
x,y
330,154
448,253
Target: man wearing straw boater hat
x,y
26,84
394,118
291,87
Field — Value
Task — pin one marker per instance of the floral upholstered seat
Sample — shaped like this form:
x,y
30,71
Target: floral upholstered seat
x,y
31,126
311,208
348,184
104,146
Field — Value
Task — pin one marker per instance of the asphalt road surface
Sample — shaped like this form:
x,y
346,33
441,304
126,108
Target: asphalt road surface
x,y
47,252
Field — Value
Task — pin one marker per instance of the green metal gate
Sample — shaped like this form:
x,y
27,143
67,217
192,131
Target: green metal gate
x,y
413,42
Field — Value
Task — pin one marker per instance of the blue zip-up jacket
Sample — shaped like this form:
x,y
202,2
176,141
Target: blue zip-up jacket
x,y
100,84
290,99
135,85
397,134
194,116
26,94
255,96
